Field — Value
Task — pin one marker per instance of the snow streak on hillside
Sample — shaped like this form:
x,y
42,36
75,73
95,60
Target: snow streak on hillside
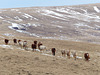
x,y
96,9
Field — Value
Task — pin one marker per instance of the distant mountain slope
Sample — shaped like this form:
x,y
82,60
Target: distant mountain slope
x,y
77,23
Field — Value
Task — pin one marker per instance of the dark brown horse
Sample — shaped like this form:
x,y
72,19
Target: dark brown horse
x,y
53,51
6,41
86,56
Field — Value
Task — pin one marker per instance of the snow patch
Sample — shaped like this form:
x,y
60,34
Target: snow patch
x,y
17,18
35,25
22,29
85,11
1,17
27,16
8,34
82,24
80,16
96,9
17,27
20,48
19,12
37,50
49,37
79,57
7,21
14,10
53,14
32,34
6,46
59,26
47,54
35,18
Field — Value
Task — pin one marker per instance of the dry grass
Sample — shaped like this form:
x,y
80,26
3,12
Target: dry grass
x,y
21,62
15,61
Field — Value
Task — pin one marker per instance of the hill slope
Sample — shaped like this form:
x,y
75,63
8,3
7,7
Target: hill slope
x,y
77,23
17,61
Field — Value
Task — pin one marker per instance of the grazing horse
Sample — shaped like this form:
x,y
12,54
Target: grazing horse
x,y
33,46
15,41
68,54
6,41
53,51
25,45
63,52
74,55
42,47
35,42
39,44
20,43
86,56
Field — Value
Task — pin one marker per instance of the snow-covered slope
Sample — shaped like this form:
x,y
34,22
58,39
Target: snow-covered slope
x,y
76,23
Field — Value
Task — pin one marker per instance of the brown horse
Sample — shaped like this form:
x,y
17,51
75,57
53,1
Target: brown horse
x,y
86,56
63,52
53,51
6,41
68,54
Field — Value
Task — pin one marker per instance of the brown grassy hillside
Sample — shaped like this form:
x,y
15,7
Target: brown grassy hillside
x,y
15,61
